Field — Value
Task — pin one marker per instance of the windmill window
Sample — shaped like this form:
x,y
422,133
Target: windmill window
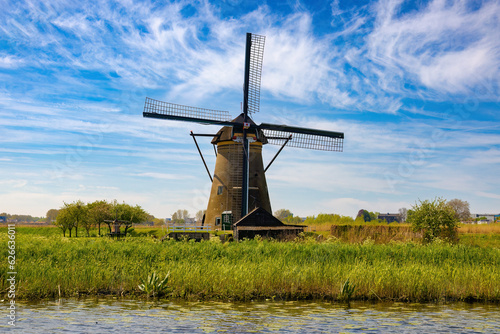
x,y
219,190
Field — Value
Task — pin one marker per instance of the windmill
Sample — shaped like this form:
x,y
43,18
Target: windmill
x,y
239,182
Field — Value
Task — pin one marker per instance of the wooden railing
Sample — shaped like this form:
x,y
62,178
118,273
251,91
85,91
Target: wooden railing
x,y
187,228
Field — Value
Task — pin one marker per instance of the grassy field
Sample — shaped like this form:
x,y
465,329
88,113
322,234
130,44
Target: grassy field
x,y
50,266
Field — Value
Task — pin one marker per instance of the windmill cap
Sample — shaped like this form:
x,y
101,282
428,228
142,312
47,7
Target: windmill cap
x,y
226,133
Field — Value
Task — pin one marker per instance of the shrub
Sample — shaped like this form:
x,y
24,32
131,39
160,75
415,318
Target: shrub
x,y
434,219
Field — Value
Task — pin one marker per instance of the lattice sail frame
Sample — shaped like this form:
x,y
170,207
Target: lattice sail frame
x,y
170,109
255,73
304,140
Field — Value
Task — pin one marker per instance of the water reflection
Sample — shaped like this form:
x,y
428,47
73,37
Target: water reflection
x,y
130,316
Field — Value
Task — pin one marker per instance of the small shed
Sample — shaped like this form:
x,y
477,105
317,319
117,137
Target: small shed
x,y
260,222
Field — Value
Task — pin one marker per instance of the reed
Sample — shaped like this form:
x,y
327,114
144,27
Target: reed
x,y
479,228
377,233
50,266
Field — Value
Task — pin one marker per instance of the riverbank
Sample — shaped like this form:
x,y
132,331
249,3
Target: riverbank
x,y
50,266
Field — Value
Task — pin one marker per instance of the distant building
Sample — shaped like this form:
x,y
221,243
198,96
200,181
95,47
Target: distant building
x,y
390,217
3,219
488,218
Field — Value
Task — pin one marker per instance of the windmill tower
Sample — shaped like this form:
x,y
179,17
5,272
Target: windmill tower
x,y
238,182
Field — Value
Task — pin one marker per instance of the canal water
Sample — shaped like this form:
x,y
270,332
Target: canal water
x,y
132,316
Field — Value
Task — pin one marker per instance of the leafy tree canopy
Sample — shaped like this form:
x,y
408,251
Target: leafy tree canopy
x,y
324,218
79,214
180,216
282,214
461,208
72,215
51,215
435,219
367,215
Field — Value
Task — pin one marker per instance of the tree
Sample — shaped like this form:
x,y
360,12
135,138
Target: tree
x,y
180,216
403,214
51,215
158,222
80,214
21,218
117,211
133,215
324,218
435,219
282,214
461,209
367,215
292,220
71,216
150,219
99,211
199,215
63,221
128,214
287,217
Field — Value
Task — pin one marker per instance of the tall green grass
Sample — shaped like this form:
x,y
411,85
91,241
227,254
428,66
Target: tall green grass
x,y
47,264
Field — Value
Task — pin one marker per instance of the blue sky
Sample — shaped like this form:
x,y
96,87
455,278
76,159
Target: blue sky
x,y
414,85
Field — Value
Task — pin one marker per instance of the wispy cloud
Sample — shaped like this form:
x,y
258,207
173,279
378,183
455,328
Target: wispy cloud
x,y
164,48
450,47
10,62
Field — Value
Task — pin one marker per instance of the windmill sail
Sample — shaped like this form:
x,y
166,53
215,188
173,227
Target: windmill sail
x,y
255,60
254,54
159,109
303,137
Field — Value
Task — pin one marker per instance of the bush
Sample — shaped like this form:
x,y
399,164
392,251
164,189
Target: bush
x,y
434,219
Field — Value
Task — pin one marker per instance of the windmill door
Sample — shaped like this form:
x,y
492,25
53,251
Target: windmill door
x,y
227,220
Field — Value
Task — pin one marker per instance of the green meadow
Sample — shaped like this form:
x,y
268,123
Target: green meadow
x,y
52,266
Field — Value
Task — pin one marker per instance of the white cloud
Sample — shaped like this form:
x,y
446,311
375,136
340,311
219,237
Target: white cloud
x,y
10,62
448,46
457,71
488,195
483,157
